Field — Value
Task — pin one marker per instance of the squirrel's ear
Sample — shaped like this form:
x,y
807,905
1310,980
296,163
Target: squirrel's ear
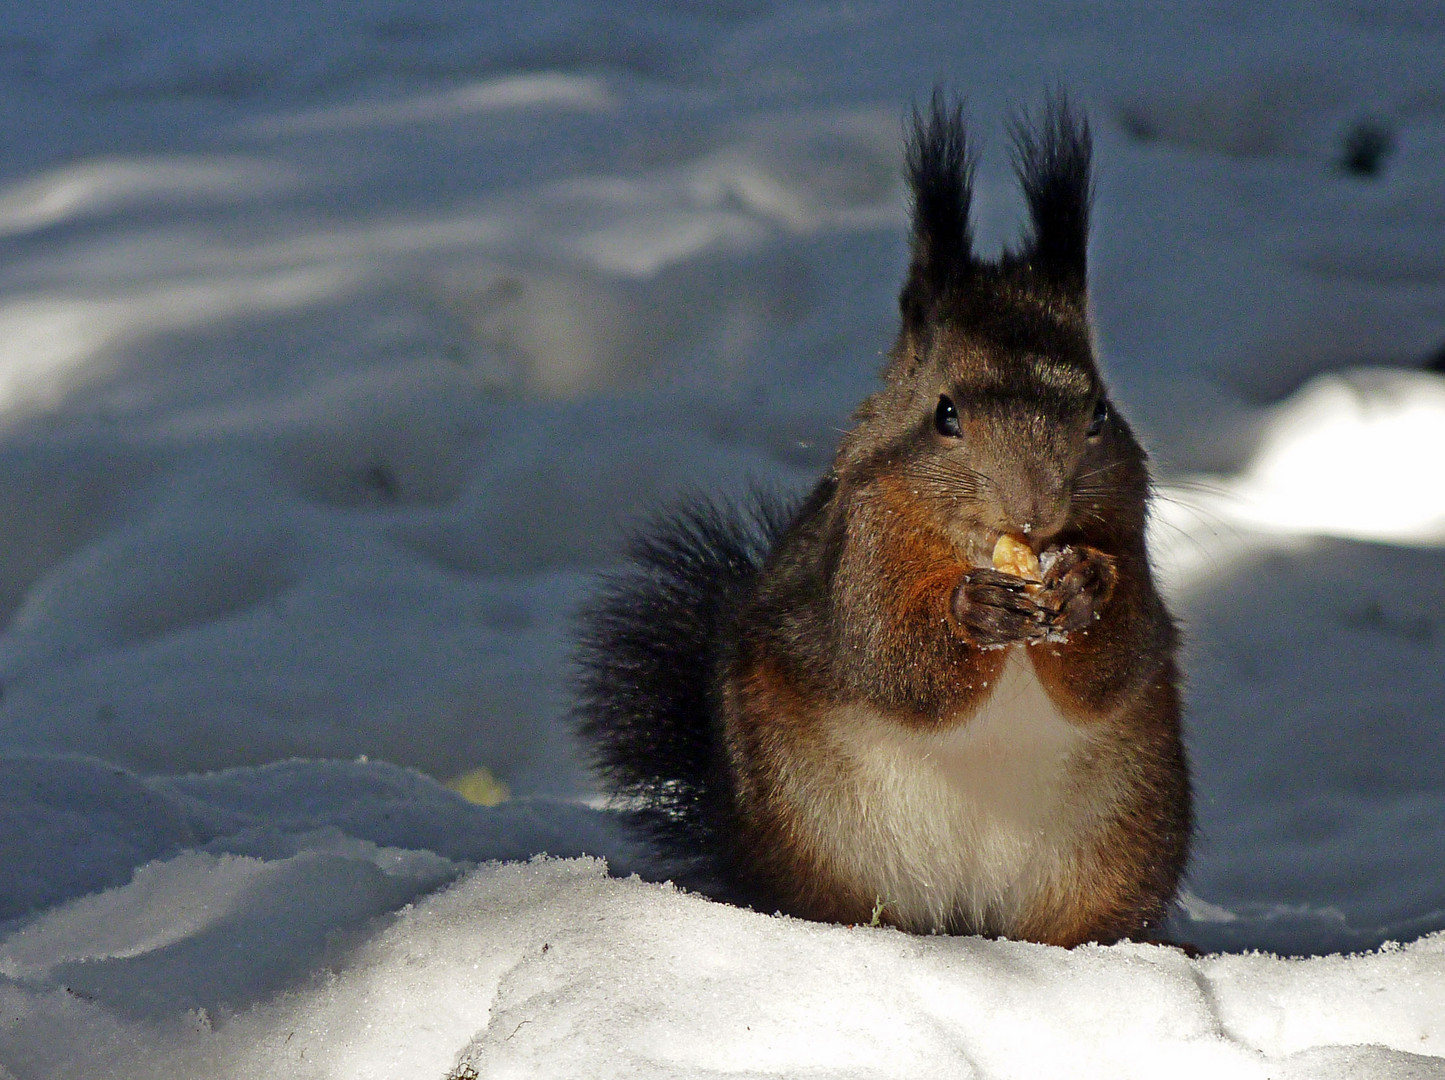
x,y
940,168
1052,157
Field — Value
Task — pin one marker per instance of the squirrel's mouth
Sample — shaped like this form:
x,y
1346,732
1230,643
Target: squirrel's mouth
x,y
975,545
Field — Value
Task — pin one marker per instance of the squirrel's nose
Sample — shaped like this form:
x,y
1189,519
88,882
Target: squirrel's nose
x,y
1041,512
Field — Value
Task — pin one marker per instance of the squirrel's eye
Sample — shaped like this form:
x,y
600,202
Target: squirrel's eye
x,y
1099,419
945,418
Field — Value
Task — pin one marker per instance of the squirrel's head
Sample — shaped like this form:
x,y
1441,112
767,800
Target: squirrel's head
x,y
993,412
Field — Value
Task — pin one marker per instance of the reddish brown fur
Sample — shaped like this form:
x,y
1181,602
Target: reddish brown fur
x,y
782,863
1129,873
1122,880
898,574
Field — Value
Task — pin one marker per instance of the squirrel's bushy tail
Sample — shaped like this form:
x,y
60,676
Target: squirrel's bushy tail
x,y
648,657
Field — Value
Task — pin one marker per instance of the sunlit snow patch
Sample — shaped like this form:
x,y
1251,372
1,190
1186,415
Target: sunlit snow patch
x,y
1348,456
546,90
1352,456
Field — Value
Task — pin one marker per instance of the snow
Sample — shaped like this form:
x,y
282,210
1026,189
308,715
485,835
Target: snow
x,y
575,974
337,352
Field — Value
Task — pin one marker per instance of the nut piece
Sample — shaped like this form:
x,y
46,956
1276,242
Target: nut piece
x,y
1012,555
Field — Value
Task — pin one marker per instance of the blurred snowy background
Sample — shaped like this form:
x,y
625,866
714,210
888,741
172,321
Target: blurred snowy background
x,y
340,345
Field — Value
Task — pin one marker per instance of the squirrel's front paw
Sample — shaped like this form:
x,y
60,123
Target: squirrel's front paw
x,y
996,609
1076,587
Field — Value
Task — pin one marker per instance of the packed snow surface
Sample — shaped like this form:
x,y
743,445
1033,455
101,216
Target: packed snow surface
x,y
338,350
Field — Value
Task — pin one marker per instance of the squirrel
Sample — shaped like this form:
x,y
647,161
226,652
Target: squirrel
x,y
842,710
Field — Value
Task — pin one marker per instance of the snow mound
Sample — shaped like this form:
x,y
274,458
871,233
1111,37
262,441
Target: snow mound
x,y
553,968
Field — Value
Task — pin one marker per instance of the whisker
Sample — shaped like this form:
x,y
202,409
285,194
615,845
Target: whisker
x,y
1193,484
951,472
1099,471
1215,527
1088,514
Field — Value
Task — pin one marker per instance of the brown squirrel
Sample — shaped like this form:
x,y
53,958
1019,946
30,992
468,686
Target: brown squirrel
x,y
843,711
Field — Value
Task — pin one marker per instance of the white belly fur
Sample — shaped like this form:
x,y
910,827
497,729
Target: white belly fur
x,y
974,821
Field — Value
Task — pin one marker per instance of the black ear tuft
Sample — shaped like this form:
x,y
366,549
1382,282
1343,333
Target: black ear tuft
x,y
940,177
1052,156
